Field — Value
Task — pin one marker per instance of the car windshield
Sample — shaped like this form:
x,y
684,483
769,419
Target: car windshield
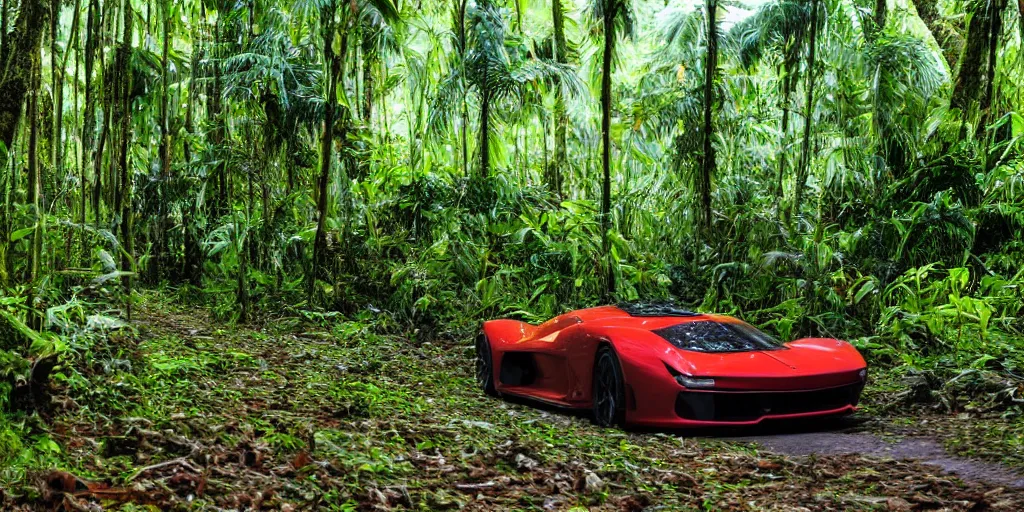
x,y
711,336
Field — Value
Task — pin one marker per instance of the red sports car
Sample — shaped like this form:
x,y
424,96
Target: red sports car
x,y
660,366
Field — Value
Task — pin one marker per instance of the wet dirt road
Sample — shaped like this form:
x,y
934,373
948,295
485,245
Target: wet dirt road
x,y
861,436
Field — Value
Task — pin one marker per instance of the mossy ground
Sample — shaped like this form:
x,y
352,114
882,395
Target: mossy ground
x,y
332,415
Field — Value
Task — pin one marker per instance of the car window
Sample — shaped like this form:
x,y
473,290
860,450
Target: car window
x,y
711,336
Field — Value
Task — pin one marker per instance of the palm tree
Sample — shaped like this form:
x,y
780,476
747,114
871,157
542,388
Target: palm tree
x,y
337,19
271,76
778,26
560,50
497,70
904,75
379,40
805,148
616,18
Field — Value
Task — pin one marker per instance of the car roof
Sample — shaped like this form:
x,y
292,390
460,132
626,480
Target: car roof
x,y
648,316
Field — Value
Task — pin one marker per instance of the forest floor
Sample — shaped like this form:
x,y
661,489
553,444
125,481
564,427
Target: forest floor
x,y
185,414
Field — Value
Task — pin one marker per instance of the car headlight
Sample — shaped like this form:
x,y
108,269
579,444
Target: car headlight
x,y
695,382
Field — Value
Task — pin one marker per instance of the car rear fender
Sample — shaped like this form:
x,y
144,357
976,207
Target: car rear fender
x,y
504,332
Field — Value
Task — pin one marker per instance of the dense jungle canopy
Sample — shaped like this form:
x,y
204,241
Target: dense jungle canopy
x,y
387,170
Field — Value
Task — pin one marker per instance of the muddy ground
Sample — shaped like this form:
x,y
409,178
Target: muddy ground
x,y
183,414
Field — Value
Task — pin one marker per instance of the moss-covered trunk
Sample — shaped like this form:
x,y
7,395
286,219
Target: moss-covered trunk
x,y
970,77
24,44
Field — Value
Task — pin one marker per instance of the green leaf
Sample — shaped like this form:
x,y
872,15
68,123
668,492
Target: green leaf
x,y
22,233
868,287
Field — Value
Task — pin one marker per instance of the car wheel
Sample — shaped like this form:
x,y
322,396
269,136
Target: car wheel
x,y
484,366
609,390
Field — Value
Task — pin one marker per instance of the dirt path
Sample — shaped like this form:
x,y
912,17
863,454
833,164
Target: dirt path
x,y
852,438
191,415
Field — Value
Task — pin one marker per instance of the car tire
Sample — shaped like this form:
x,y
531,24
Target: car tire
x,y
609,409
485,365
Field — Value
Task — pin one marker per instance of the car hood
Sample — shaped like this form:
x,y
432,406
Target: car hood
x,y
803,363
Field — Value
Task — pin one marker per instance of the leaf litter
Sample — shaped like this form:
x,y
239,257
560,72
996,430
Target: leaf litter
x,y
263,419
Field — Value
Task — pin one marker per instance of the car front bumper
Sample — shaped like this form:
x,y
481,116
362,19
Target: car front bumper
x,y
688,408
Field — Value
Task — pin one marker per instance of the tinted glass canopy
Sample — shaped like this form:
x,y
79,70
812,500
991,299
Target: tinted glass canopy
x,y
654,309
711,336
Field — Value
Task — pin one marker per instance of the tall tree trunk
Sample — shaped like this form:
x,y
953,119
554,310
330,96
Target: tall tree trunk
x,y
5,215
995,32
57,85
59,155
89,114
334,66
97,185
192,268
788,82
948,39
880,14
805,149
559,115
606,146
5,16
708,157
485,128
34,184
460,15
161,248
125,191
368,84
988,106
222,201
968,85
18,53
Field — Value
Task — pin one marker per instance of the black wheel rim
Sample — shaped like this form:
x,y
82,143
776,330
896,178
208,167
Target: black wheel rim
x,y
605,393
483,365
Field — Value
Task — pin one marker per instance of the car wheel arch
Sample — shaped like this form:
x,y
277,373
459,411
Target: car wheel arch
x,y
603,343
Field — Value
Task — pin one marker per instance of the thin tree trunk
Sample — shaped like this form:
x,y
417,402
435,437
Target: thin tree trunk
x,y
5,214
334,67
223,200
192,261
460,13
559,114
606,147
161,248
89,114
788,81
125,183
485,127
5,17
368,84
97,186
57,84
805,153
34,184
708,157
